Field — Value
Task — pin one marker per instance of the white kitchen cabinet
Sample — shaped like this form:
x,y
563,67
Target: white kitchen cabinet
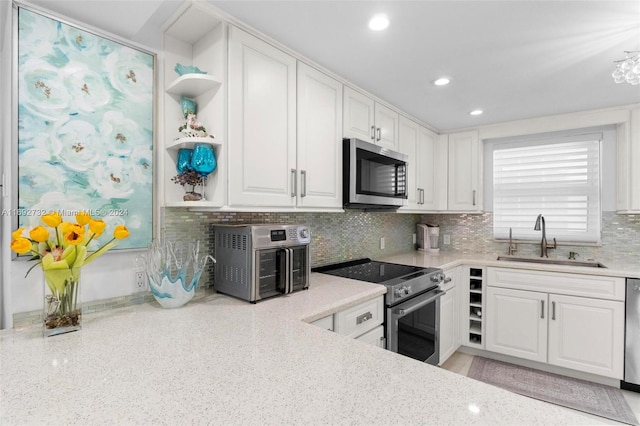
x,y
419,144
517,323
587,334
369,121
362,322
582,329
319,141
262,123
203,45
449,314
464,172
628,147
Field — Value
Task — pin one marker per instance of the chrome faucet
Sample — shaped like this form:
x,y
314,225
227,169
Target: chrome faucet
x,y
543,242
512,247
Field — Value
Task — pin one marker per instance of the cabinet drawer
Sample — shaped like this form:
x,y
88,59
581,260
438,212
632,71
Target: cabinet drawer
x,y
359,319
373,337
600,287
326,322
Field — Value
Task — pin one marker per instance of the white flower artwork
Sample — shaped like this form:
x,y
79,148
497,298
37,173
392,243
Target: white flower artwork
x,y
85,126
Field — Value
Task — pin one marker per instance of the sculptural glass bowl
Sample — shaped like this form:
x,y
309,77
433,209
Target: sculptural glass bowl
x,y
173,271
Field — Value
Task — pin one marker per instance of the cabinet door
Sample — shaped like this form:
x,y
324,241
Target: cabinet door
x,y
464,172
374,337
430,178
587,335
358,116
262,125
386,121
517,323
448,323
628,174
408,144
319,139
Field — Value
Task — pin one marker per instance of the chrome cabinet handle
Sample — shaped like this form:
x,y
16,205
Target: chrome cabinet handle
x,y
422,196
303,178
294,183
364,317
379,134
373,133
542,309
553,311
418,195
474,197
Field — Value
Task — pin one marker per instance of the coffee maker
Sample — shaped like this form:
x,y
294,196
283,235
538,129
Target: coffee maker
x,y
428,238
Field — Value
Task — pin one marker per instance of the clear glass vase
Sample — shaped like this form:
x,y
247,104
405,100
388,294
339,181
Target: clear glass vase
x,y
62,311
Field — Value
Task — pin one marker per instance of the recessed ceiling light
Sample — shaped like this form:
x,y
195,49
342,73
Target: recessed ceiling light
x,y
379,22
476,112
442,81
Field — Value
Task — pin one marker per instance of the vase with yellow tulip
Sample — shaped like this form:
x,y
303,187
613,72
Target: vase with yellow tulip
x,y
61,248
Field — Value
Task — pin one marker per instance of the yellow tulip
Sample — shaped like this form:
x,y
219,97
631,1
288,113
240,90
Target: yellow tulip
x,y
97,226
39,234
17,233
52,219
65,227
120,232
83,218
75,235
21,245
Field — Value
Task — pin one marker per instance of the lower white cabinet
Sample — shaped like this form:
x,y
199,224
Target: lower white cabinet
x,y
362,322
580,333
449,318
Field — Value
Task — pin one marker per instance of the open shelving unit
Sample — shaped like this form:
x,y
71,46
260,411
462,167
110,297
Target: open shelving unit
x,y
475,302
195,36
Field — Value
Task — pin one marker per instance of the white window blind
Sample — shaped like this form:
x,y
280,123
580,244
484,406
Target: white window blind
x,y
561,181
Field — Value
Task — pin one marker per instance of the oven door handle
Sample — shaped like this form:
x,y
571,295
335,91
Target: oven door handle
x,y
401,312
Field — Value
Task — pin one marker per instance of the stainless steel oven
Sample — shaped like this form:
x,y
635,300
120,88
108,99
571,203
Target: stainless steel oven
x,y
413,327
412,301
255,262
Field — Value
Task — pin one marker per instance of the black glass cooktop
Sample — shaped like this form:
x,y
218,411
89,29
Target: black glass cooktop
x,y
371,271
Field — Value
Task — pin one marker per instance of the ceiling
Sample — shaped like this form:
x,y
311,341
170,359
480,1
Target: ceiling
x,y
512,59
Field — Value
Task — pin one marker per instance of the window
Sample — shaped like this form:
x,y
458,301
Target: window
x,y
559,180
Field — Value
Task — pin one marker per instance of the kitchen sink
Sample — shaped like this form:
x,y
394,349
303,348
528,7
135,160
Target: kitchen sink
x,y
547,261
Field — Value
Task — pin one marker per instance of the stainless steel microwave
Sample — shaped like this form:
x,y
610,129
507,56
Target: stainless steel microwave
x,y
373,177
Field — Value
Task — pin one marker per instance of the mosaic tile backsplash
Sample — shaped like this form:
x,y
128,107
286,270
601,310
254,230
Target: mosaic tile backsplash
x,y
474,234
335,237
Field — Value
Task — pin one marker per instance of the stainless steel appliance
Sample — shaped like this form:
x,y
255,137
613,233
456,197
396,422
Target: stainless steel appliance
x,y
255,262
632,337
373,177
412,314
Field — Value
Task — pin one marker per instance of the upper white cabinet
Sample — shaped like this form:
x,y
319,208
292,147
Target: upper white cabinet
x,y
319,153
368,120
465,172
195,37
262,123
425,176
628,146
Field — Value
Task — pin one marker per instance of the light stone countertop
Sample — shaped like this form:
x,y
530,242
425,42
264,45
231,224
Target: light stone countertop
x,y
446,260
219,360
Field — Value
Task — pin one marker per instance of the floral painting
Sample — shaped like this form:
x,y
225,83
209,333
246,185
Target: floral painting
x,y
85,127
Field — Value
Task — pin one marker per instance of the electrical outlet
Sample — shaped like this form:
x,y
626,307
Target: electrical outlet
x,y
381,243
140,281
446,239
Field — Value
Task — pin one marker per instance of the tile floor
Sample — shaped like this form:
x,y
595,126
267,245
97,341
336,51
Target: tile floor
x,y
460,363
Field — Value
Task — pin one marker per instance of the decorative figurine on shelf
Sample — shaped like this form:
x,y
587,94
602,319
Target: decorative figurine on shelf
x,y
189,106
192,127
187,69
192,178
